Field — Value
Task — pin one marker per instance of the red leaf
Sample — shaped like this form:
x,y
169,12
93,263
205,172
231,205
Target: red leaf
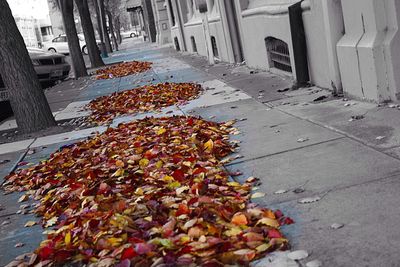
x,y
273,233
128,253
278,214
45,253
178,175
182,209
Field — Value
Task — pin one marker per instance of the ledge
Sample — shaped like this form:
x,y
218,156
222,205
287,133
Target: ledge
x,y
273,10
198,21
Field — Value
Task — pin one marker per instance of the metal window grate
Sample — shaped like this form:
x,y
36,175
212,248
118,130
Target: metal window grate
x,y
194,46
4,95
177,47
214,47
278,53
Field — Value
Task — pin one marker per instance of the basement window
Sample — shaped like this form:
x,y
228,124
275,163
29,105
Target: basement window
x,y
176,41
214,47
194,46
278,54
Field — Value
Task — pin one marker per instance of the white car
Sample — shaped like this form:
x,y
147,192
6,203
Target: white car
x,y
129,34
60,45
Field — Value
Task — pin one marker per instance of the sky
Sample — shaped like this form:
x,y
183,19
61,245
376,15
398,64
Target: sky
x,y
29,8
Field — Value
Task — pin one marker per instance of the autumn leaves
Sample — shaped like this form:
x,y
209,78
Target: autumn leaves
x,y
152,192
122,69
142,99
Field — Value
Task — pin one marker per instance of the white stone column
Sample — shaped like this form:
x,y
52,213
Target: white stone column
x,y
334,26
225,28
367,49
190,9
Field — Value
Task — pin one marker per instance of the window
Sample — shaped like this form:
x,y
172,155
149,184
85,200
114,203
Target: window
x,y
194,46
278,54
61,39
177,47
214,47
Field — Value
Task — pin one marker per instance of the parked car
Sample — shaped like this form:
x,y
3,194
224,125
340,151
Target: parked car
x,y
129,34
60,45
49,67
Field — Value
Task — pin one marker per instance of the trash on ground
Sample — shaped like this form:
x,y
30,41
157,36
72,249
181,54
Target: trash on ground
x,y
297,255
336,226
309,200
314,263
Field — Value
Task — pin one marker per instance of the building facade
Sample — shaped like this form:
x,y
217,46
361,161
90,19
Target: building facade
x,y
161,22
342,45
33,21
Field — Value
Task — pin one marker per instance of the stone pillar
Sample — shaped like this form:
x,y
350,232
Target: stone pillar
x,y
334,28
190,8
367,50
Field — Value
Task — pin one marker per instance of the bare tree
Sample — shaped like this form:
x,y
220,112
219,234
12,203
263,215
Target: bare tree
x,y
110,22
101,13
88,31
67,10
31,110
115,9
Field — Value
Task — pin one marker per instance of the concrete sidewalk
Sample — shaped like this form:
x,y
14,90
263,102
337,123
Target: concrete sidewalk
x,y
303,149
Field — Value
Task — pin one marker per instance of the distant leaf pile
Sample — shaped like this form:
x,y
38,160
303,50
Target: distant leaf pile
x,y
141,99
152,192
123,69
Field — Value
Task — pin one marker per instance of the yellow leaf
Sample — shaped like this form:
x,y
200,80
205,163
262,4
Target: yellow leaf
x,y
118,173
114,241
233,231
268,222
67,238
161,131
168,178
185,239
263,247
30,224
143,163
234,184
148,218
174,185
23,198
209,145
159,164
51,222
258,195
139,191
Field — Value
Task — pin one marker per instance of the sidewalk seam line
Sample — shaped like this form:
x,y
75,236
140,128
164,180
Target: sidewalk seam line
x,y
339,132
286,151
338,189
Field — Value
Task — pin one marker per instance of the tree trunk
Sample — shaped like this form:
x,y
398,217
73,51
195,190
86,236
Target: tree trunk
x,y
96,8
88,31
67,10
31,110
110,22
106,37
118,29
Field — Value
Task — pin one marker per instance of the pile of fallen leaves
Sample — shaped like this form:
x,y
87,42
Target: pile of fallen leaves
x,y
123,69
152,192
141,99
